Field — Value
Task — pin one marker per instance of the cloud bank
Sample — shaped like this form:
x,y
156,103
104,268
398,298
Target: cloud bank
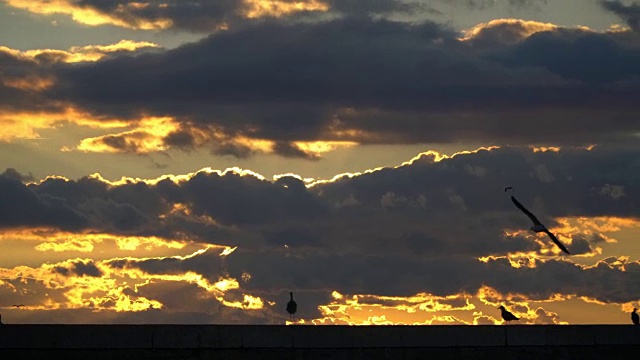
x,y
276,87
434,225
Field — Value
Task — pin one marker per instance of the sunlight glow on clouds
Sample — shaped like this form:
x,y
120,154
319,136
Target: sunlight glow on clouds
x,y
319,147
159,16
425,309
17,125
31,83
146,137
60,241
520,29
277,8
335,97
99,285
91,16
159,134
87,53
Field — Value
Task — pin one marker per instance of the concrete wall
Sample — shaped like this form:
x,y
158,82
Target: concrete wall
x,y
317,342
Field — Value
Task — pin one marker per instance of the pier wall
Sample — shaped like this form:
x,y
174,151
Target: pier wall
x,y
96,342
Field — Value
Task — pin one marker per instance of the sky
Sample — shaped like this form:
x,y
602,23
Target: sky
x,y
194,162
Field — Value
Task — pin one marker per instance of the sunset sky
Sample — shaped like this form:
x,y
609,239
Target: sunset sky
x,y
193,162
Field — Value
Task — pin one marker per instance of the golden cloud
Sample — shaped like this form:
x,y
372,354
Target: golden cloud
x,y
427,309
568,229
430,155
72,288
145,138
178,179
88,53
317,148
68,245
278,8
434,156
29,83
545,149
125,15
91,16
153,134
25,124
61,241
421,308
525,28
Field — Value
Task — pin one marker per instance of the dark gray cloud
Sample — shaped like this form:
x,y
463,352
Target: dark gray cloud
x,y
629,12
420,227
409,208
15,70
369,7
572,64
484,4
20,206
14,174
79,268
388,82
314,275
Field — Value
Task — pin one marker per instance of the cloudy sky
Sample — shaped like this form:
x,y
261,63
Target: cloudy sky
x,y
167,161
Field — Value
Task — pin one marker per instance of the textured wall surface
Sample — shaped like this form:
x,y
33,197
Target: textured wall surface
x,y
317,342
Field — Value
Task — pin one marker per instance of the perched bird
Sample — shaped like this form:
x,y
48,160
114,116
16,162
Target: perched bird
x,y
537,225
291,308
634,317
506,315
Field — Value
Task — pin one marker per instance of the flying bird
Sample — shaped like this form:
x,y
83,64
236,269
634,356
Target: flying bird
x,y
291,308
18,306
537,225
506,315
634,317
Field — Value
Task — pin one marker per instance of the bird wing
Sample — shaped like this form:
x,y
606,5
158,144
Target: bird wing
x,y
507,315
555,240
524,210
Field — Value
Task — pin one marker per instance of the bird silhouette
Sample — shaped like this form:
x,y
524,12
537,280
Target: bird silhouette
x,y
537,225
291,308
506,315
634,317
18,306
